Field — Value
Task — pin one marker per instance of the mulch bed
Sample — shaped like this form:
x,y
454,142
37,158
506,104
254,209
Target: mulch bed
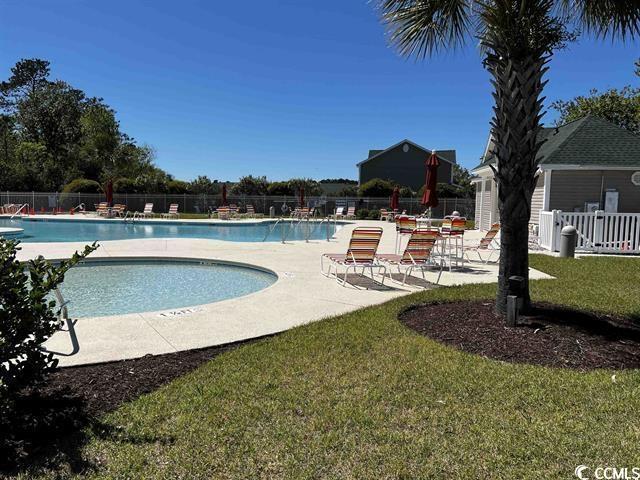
x,y
551,335
48,426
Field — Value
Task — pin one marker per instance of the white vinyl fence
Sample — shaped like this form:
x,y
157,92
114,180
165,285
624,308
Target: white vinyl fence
x,y
599,231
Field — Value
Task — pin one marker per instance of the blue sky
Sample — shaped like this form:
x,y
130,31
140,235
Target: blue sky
x,y
284,88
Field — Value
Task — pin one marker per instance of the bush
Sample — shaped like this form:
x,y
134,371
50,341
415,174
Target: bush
x,y
28,317
374,214
362,214
376,188
82,185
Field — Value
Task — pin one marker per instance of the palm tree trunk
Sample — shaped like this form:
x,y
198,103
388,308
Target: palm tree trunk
x,y
515,129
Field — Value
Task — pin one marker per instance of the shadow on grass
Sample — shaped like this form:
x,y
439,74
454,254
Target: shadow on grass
x,y
47,433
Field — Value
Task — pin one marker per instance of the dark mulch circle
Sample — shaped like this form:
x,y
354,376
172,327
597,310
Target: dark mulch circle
x,y
47,427
551,335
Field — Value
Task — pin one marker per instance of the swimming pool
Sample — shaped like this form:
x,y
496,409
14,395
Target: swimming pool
x,y
106,287
59,230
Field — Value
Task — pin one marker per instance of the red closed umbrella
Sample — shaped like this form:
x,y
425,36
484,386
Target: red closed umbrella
x,y
108,191
224,194
430,195
301,196
395,199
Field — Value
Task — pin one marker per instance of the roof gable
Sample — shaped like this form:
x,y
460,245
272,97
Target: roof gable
x,y
377,153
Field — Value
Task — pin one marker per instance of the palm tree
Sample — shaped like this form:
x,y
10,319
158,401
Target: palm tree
x,y
517,40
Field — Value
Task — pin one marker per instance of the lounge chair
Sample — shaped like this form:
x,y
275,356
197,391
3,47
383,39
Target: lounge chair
x,y
173,211
485,245
148,210
351,213
360,254
103,210
405,225
224,213
118,210
339,213
251,213
418,255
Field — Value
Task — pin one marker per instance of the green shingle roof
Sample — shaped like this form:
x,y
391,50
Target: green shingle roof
x,y
588,141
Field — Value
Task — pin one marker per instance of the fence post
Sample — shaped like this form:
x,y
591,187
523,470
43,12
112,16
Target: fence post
x,y
598,231
555,230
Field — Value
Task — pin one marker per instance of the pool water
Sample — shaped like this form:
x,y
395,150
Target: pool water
x,y
90,230
100,288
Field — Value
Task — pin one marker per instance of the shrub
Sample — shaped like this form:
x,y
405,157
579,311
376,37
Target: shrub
x,y
82,185
28,317
374,214
362,214
376,188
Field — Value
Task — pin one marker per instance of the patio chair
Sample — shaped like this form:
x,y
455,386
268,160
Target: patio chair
x,y
418,255
173,211
148,211
251,212
405,225
351,213
118,210
485,245
339,213
102,209
224,213
361,253
385,215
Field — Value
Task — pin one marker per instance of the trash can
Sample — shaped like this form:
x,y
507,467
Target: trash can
x,y
272,211
568,239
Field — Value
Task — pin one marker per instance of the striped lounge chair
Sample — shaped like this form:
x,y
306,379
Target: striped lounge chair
x,y
339,213
351,213
418,255
251,212
485,245
148,210
224,213
173,211
360,254
119,210
405,225
102,209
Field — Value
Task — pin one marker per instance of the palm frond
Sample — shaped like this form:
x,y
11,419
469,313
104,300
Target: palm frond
x,y
420,28
605,18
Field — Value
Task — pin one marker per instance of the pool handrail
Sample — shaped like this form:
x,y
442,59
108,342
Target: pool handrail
x,y
19,210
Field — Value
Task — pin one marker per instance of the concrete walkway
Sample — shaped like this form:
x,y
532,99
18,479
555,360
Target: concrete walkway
x,y
300,295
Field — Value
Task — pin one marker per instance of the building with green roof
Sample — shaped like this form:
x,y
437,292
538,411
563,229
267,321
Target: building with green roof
x,y
588,164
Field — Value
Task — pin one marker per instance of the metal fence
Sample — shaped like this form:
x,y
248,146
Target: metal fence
x,y
48,202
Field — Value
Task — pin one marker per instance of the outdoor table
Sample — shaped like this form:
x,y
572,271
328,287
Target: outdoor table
x,y
452,247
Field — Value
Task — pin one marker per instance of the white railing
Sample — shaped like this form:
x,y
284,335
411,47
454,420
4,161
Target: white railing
x,y
546,230
598,232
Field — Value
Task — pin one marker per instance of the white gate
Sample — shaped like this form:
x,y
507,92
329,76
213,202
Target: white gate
x,y
598,232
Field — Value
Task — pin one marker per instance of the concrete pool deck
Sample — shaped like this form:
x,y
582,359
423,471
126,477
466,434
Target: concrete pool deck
x,y
300,295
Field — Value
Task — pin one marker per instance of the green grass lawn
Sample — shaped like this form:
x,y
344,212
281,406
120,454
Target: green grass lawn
x,y
360,396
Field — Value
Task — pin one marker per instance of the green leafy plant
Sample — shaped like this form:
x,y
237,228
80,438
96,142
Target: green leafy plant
x,y
28,317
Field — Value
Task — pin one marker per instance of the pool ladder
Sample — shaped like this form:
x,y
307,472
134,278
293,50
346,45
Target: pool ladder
x,y
131,217
23,206
64,316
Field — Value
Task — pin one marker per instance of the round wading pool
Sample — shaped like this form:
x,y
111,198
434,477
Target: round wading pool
x,y
111,287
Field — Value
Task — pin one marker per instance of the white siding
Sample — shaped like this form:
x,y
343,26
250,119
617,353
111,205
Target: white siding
x,y
486,204
478,202
537,200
